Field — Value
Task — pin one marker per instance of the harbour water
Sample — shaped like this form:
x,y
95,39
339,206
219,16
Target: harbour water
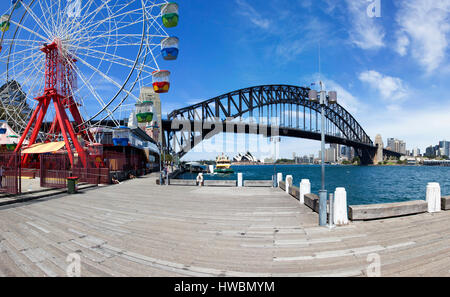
x,y
364,185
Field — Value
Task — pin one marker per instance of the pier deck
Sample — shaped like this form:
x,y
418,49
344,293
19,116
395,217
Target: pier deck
x,y
140,229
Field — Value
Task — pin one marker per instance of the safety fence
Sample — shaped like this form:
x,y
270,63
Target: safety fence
x,y
10,180
93,176
54,170
116,161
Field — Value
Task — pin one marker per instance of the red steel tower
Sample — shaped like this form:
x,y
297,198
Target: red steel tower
x,y
60,83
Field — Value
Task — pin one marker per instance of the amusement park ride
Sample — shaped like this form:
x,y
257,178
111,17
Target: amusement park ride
x,y
114,43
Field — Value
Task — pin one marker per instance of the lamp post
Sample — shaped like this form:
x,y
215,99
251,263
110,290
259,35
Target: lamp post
x,y
160,162
323,99
275,140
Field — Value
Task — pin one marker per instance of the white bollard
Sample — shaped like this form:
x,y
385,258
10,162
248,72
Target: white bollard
x,y
240,180
305,188
200,179
340,207
434,197
279,178
289,179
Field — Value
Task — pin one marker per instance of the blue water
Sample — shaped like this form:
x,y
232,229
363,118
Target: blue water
x,y
364,185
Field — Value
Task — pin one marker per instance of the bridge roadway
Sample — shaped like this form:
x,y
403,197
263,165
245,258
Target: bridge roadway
x,y
140,229
209,129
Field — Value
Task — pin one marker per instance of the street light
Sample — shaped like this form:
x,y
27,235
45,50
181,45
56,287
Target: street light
x,y
323,99
275,140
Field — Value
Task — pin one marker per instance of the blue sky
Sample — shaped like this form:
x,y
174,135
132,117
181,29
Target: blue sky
x,y
391,72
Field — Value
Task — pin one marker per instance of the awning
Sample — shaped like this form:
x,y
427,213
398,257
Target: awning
x,y
42,148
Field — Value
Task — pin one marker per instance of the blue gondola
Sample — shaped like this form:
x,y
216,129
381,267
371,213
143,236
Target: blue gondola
x,y
121,136
169,48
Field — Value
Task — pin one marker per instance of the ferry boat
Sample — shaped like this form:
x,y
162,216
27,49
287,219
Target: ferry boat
x,y
223,165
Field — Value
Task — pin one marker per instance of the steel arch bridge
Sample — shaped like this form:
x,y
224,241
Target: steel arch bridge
x,y
271,110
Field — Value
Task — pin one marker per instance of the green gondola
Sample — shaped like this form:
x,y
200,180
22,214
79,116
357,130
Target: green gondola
x,y
170,15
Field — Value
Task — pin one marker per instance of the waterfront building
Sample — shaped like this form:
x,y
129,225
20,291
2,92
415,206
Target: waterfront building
x,y
337,151
444,147
347,153
429,152
330,155
391,144
148,94
13,97
245,158
269,160
305,159
396,145
437,151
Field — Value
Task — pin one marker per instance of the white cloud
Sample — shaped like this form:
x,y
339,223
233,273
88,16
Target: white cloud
x,y
246,10
419,128
364,32
402,45
390,88
345,98
426,23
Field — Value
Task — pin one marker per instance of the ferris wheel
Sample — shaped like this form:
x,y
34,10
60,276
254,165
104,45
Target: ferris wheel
x,y
103,52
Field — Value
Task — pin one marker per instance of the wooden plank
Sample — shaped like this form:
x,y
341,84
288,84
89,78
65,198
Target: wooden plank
x,y
294,192
220,183
445,203
198,231
182,182
258,183
312,201
387,210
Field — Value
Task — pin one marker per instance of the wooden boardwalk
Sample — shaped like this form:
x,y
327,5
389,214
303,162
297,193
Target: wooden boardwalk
x,y
140,229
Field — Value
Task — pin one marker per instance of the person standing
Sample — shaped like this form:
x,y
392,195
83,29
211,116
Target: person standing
x,y
1,176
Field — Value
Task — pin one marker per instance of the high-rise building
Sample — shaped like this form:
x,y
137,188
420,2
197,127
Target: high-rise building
x,y
348,152
429,152
437,151
391,144
396,145
402,147
148,94
444,147
13,98
337,151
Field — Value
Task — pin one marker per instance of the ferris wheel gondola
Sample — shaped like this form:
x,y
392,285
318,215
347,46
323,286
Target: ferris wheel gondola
x,y
104,52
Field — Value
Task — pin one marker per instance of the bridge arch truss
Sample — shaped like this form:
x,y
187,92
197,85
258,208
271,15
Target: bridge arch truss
x,y
284,106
